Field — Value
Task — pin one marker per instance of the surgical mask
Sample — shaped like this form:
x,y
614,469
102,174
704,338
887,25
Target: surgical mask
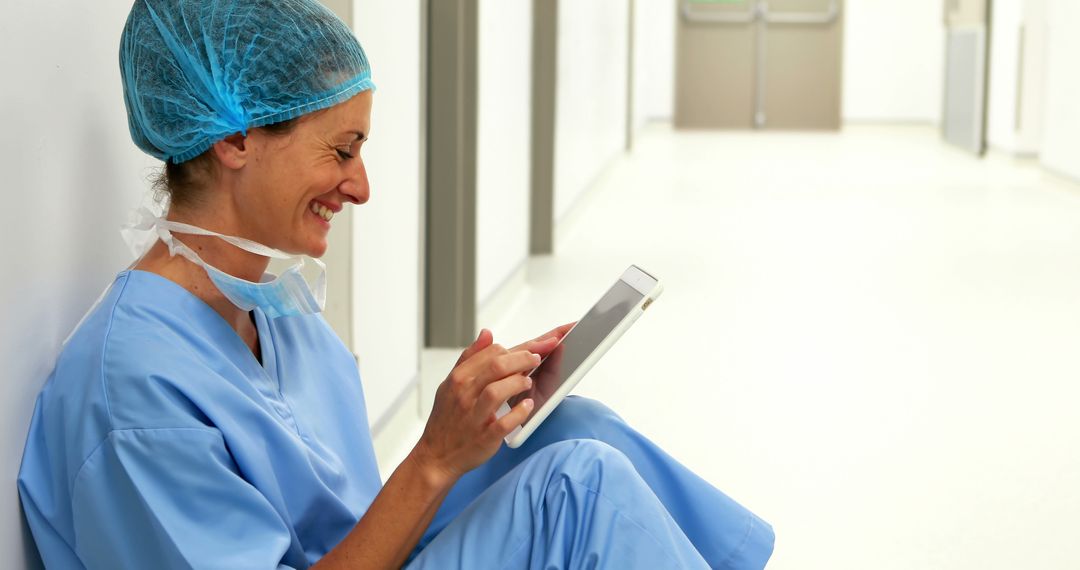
x,y
285,295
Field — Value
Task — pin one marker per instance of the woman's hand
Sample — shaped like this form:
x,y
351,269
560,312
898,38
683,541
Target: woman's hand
x,y
462,431
461,434
545,343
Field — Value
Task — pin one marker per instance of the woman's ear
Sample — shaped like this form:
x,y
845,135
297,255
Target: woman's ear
x,y
233,151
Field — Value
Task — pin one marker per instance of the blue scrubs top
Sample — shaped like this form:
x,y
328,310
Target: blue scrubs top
x,y
160,441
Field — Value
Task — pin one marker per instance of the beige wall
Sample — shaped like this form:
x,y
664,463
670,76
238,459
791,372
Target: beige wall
x,y
343,8
965,12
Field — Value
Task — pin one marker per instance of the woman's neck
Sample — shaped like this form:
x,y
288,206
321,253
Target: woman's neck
x,y
192,277
216,251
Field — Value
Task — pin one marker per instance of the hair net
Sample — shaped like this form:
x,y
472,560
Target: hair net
x,y
197,71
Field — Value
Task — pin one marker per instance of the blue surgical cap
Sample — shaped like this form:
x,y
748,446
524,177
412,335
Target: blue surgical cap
x,y
197,71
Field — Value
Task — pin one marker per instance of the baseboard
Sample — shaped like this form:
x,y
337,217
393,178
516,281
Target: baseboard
x,y
893,122
1060,174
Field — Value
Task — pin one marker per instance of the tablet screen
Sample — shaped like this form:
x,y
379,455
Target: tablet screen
x,y
576,346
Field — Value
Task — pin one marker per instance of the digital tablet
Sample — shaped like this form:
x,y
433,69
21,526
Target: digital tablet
x,y
582,347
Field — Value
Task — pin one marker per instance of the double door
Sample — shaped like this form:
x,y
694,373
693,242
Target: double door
x,y
759,64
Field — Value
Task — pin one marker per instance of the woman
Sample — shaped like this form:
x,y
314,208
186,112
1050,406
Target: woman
x,y
204,415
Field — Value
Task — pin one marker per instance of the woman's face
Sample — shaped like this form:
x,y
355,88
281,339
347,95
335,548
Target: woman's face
x,y
292,183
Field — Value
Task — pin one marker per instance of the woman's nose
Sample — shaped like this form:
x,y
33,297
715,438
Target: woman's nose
x,y
355,188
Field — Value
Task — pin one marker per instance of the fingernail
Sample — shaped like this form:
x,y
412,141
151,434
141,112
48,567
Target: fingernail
x,y
480,334
528,403
536,358
528,381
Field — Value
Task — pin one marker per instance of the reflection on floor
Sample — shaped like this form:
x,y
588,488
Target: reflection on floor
x,y
869,338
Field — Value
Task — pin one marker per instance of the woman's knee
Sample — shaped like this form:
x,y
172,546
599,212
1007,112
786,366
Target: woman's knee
x,y
579,418
584,461
579,405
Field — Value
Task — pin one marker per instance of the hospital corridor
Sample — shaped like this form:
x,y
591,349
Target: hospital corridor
x,y
564,284
867,335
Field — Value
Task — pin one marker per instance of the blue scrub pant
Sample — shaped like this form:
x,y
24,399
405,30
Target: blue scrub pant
x,y
587,491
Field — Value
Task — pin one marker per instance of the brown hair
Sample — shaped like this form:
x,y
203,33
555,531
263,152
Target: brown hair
x,y
185,182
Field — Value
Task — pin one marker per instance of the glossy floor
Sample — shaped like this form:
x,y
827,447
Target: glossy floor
x,y
869,338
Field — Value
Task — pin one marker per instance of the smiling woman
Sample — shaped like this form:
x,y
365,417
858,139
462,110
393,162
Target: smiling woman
x,y
329,141
204,414
181,182
279,185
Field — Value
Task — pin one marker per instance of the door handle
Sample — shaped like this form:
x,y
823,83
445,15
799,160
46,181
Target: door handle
x,y
713,17
812,18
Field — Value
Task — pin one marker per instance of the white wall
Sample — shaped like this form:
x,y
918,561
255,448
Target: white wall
x,y
654,60
1029,137
504,97
1017,88
70,176
1061,138
1008,17
1033,96
1017,76
1016,125
590,108
386,287
894,54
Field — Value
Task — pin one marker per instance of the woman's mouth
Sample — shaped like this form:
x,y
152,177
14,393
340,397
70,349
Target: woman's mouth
x,y
321,211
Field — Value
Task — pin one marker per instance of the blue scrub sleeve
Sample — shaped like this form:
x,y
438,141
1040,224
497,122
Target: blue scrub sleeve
x,y
172,498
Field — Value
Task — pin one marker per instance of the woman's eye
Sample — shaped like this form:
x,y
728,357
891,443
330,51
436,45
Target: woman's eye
x,y
345,155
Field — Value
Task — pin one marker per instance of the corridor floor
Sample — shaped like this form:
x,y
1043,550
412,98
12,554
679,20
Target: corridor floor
x,y
869,338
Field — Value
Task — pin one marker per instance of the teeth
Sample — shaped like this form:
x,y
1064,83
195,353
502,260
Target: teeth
x,y
322,211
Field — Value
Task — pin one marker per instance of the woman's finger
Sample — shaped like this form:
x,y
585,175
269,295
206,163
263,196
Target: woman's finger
x,y
483,340
561,330
555,334
517,416
483,368
494,394
539,346
487,367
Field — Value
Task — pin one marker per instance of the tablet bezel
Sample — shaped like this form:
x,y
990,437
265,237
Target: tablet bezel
x,y
642,282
